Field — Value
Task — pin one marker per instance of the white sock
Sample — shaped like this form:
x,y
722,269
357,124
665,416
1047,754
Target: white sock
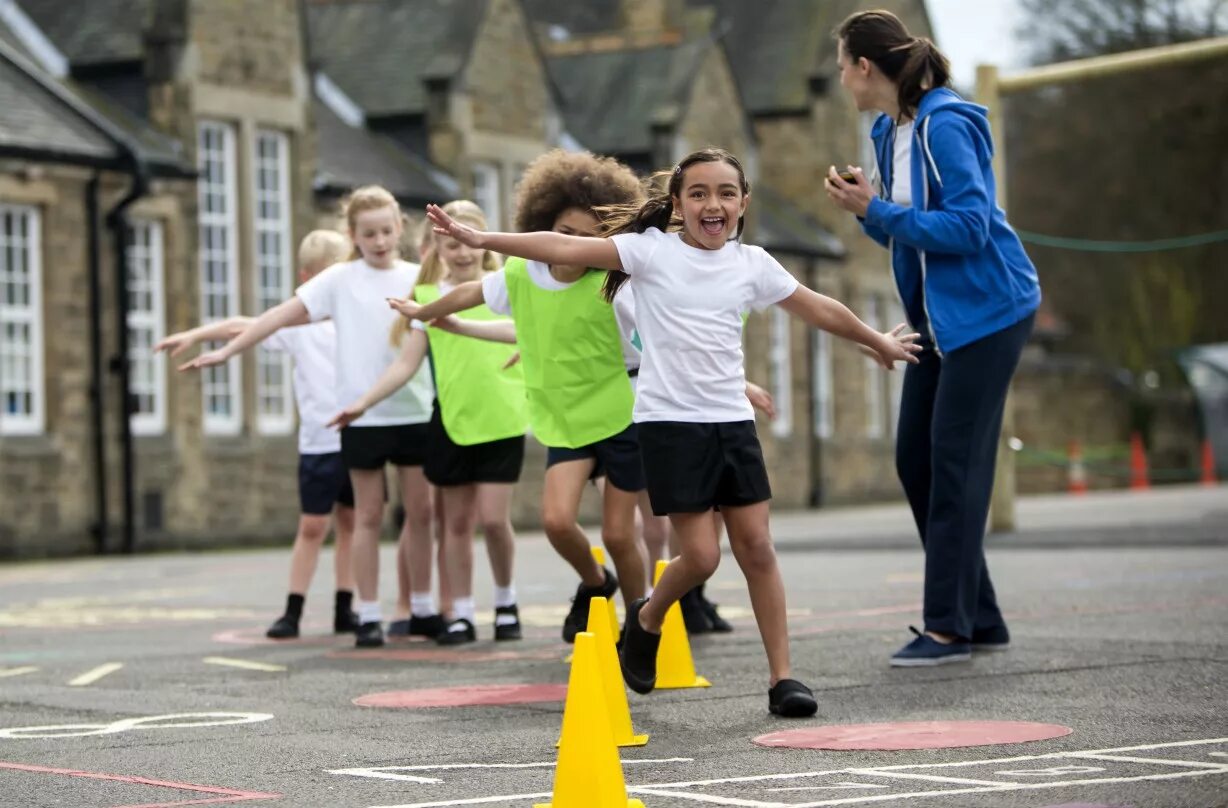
x,y
505,595
648,592
463,607
421,604
369,611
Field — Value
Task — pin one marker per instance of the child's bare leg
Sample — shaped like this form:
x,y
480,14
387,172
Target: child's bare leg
x,y
441,552
459,502
368,487
751,540
415,535
624,547
494,506
312,530
698,557
564,486
343,547
656,533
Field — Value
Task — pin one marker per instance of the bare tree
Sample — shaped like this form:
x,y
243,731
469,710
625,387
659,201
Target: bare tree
x,y
1057,30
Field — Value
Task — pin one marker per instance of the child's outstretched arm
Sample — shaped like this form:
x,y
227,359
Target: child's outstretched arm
x,y
490,330
394,377
544,246
287,313
226,329
464,296
761,400
832,315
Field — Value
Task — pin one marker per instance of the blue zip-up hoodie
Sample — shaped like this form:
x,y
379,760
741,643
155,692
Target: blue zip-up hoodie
x,y
961,271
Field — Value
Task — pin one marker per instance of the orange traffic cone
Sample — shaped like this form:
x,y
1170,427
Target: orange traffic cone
x,y
1076,474
1138,463
675,665
1208,464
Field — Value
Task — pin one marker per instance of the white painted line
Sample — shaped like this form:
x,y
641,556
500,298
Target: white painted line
x,y
708,798
476,801
393,772
89,677
843,785
7,672
243,663
932,778
1158,761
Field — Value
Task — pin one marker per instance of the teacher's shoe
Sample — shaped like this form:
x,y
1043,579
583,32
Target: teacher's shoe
x,y
925,651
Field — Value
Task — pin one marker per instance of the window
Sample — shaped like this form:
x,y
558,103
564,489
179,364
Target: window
x,y
146,326
488,192
779,363
219,262
822,377
874,372
274,268
21,336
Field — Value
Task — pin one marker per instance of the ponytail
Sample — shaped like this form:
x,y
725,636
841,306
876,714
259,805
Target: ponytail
x,y
913,63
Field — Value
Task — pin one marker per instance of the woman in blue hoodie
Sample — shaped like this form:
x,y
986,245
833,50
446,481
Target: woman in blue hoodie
x,y
967,285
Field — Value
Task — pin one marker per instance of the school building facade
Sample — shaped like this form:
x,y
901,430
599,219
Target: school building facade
x,y
192,143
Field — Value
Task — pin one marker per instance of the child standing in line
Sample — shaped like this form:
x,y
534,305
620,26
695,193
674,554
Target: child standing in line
x,y
323,485
393,432
693,278
476,432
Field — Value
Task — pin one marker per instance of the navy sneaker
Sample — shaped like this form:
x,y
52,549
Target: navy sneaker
x,y
926,651
458,632
638,655
577,619
790,698
991,639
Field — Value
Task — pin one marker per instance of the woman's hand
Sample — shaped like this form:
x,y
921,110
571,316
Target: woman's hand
x,y
852,196
761,400
896,346
408,308
347,416
445,225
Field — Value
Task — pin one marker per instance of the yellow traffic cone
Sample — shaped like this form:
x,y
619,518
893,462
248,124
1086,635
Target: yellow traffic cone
x,y
589,773
675,665
599,557
612,681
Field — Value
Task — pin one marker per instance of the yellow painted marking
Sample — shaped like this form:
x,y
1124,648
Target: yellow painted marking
x,y
243,663
89,677
6,672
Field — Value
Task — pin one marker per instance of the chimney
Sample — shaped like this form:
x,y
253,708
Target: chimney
x,y
165,34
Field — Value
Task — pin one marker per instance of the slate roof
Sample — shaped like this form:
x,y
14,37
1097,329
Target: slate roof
x,y
612,100
90,32
380,51
39,122
786,228
348,157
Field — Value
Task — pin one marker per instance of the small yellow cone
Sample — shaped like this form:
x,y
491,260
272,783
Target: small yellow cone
x,y
599,557
675,665
612,682
589,773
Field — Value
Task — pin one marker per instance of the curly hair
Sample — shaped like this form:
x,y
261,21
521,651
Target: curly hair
x,y
559,180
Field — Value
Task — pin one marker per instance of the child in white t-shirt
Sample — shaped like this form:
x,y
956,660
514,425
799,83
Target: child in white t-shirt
x,y
323,484
352,295
696,427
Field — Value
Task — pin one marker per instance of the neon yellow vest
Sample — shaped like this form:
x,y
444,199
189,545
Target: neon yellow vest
x,y
574,373
479,401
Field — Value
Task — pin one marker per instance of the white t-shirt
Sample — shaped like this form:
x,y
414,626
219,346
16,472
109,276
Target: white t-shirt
x,y
494,290
901,165
354,295
689,304
314,351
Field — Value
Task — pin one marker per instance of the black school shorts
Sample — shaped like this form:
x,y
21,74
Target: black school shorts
x,y
449,463
691,468
617,458
372,447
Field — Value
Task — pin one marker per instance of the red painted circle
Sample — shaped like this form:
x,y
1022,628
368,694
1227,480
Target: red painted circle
x,y
913,735
472,696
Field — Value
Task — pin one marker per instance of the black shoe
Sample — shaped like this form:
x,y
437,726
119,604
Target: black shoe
x,y
286,628
719,624
429,627
507,623
577,619
790,698
638,656
345,622
398,628
369,635
693,614
458,632
997,638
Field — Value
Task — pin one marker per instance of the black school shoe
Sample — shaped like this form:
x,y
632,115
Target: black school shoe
x,y
789,698
507,623
638,655
577,619
430,627
719,624
345,622
369,635
286,628
694,616
458,632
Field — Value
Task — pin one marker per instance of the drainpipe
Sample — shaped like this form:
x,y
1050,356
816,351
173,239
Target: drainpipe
x,y
117,222
99,529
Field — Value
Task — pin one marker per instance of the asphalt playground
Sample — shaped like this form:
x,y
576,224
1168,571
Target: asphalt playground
x,y
146,681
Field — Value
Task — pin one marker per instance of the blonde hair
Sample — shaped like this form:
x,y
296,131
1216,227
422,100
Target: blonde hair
x,y
434,269
368,197
320,249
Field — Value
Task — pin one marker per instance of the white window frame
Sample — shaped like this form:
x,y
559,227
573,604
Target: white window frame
x,y
822,378
223,381
780,364
28,315
146,273
875,383
488,190
273,277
